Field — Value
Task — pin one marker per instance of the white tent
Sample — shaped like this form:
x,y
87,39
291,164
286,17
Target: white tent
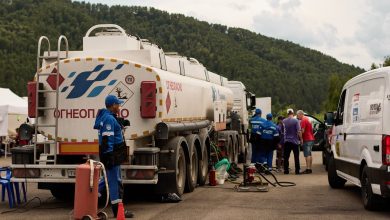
x,y
13,111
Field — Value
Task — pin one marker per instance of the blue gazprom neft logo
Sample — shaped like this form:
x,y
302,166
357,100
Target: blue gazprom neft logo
x,y
81,83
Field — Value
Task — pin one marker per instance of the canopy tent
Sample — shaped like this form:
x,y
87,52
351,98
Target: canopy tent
x,y
13,111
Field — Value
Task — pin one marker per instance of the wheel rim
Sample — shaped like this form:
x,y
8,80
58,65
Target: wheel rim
x,y
180,176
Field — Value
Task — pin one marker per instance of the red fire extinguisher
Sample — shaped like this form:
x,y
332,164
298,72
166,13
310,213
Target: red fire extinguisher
x,y
86,191
212,177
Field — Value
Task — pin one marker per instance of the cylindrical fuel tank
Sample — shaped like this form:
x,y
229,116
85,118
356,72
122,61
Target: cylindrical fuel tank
x,y
86,197
85,82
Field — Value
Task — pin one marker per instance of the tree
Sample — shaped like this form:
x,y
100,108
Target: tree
x,y
289,73
374,66
387,61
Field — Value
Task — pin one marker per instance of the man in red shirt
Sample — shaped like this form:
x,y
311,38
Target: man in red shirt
x,y
308,140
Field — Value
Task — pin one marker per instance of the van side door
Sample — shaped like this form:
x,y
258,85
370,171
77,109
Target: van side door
x,y
339,128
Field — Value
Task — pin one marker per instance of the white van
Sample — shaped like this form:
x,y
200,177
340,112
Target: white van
x,y
360,151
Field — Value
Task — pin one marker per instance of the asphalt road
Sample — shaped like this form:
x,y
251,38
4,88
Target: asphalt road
x,y
312,198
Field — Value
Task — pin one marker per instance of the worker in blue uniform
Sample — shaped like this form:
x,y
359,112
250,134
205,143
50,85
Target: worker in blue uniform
x,y
257,123
269,139
112,149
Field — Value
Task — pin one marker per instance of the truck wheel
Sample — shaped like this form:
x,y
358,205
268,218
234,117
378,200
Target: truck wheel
x,y
235,149
230,149
203,167
370,200
63,191
335,181
242,157
180,171
172,178
192,165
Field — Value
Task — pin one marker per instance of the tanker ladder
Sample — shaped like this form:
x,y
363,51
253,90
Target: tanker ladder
x,y
49,154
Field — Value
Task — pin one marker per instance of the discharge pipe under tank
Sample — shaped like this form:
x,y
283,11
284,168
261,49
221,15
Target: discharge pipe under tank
x,y
164,128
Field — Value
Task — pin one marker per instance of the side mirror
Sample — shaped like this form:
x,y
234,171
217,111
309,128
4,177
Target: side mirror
x,y
329,118
250,101
253,101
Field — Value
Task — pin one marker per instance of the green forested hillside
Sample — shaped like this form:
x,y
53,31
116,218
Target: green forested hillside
x,y
287,72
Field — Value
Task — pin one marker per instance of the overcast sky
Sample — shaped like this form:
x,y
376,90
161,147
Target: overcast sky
x,y
353,31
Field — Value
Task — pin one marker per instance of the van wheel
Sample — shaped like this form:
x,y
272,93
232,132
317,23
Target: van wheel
x,y
370,200
335,181
325,159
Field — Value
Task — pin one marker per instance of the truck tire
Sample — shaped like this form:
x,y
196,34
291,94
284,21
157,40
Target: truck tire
x,y
230,148
243,153
370,200
204,161
63,191
335,181
172,178
236,144
192,164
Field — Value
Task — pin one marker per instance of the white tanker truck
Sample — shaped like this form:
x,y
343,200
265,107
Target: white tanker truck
x,y
176,108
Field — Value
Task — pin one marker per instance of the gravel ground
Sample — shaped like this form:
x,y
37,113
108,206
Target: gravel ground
x,y
312,198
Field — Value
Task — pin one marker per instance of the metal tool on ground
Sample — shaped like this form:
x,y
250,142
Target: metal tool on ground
x,y
86,191
262,170
253,171
249,184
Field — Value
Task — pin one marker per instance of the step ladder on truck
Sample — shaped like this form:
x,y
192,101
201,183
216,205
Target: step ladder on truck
x,y
49,155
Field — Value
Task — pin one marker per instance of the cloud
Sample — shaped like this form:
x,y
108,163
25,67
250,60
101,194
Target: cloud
x,y
374,29
239,7
285,5
284,26
353,31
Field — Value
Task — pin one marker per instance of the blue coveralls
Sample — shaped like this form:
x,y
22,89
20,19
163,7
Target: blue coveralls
x,y
110,132
257,123
268,135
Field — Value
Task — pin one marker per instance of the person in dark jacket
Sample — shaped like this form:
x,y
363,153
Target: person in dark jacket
x,y
269,139
279,149
257,123
112,149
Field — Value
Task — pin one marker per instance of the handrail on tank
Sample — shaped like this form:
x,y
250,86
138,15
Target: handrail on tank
x,y
62,37
39,49
105,26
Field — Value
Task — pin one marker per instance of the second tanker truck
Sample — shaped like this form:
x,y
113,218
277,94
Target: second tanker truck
x,y
176,107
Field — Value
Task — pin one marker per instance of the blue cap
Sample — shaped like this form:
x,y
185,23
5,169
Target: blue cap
x,y
269,116
258,111
111,100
